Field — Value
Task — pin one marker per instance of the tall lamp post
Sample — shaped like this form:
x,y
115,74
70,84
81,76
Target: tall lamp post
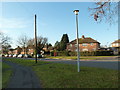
x,y
78,53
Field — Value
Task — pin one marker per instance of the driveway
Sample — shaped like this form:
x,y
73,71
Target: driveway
x,y
23,77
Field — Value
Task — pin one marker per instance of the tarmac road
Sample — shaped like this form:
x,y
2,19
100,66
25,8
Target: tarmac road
x,y
108,63
99,64
23,77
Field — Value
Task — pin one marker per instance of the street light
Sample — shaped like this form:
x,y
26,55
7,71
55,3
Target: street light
x,y
78,53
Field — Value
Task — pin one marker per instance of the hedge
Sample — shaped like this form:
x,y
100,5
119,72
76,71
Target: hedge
x,y
86,53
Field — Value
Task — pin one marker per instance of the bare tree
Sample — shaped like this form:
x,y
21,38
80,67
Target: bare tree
x,y
4,39
105,11
41,42
23,42
4,43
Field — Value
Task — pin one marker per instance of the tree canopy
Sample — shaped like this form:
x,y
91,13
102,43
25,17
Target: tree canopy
x,y
105,11
61,46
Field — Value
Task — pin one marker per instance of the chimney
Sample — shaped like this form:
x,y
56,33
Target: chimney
x,y
83,37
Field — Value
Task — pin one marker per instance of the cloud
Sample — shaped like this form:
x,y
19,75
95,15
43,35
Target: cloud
x,y
13,23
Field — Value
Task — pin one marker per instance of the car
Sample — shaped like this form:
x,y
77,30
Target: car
x,y
20,56
38,56
15,55
27,56
10,55
6,55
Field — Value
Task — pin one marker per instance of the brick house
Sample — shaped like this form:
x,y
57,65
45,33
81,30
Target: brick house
x,y
116,46
85,44
30,51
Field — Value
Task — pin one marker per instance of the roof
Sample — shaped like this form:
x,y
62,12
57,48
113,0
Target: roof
x,y
84,40
117,41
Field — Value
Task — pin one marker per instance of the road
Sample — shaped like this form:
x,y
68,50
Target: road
x,y
109,63
99,64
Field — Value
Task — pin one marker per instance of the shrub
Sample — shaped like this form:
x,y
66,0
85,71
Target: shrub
x,y
73,53
62,53
52,53
85,53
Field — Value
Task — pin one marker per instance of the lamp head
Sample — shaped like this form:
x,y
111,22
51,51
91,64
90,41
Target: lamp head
x,y
76,12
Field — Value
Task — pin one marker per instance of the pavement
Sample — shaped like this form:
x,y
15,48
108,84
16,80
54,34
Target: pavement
x,y
23,77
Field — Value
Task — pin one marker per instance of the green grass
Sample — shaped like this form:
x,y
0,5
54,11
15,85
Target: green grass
x,y
56,75
66,76
6,74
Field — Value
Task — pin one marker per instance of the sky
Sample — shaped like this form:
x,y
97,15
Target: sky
x,y
53,20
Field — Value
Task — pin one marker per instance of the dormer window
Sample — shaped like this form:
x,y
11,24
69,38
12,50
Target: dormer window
x,y
84,44
91,44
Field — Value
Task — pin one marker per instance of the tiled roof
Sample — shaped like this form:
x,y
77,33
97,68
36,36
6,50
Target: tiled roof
x,y
84,40
117,41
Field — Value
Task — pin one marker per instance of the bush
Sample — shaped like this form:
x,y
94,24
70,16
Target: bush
x,y
52,53
73,53
85,53
93,53
63,53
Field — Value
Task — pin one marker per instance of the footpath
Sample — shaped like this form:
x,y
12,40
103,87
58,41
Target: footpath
x,y
23,77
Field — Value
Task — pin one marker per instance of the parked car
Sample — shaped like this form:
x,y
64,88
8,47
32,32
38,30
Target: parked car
x,y
15,55
10,55
38,56
6,55
27,56
21,55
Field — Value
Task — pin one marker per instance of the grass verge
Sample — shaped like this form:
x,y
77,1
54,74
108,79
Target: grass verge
x,y
6,74
56,75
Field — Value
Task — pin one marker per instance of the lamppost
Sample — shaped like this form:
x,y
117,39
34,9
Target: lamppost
x,y
78,53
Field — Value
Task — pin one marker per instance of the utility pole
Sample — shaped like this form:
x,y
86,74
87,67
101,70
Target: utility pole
x,y
35,41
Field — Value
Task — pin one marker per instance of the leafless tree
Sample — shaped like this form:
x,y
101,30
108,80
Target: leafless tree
x,y
23,42
4,39
4,43
105,11
41,42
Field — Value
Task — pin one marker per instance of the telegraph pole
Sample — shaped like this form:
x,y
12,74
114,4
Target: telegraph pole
x,y
35,41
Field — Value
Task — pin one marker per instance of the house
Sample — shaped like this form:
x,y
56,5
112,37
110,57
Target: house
x,y
10,51
116,46
85,44
30,50
48,48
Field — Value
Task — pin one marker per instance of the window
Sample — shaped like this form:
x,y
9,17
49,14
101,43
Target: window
x,y
75,45
91,44
94,49
70,45
84,49
84,44
116,44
